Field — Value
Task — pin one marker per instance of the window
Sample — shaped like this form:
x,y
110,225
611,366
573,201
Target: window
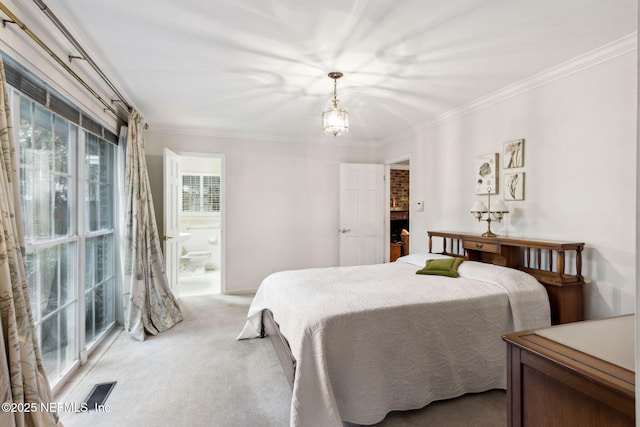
x,y
99,236
45,145
211,193
200,193
71,245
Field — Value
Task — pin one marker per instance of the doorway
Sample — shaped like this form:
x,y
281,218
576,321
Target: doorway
x,y
399,208
200,218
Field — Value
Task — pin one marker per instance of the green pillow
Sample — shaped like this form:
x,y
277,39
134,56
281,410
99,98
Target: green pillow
x,y
442,267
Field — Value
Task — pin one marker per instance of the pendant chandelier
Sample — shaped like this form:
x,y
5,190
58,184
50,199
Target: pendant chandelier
x,y
335,120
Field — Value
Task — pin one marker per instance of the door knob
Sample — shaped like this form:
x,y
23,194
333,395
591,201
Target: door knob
x,y
344,230
165,238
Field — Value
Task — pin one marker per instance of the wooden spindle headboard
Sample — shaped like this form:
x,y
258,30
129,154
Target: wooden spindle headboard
x,y
557,265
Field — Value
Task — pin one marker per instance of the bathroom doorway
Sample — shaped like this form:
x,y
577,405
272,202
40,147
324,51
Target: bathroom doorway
x,y
201,220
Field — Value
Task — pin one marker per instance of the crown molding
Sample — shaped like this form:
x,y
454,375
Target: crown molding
x,y
579,63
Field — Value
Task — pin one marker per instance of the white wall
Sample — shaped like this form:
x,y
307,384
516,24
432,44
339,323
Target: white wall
x,y
580,169
200,165
281,201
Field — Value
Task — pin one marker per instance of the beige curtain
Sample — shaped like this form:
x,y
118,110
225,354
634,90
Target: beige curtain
x,y
152,307
23,381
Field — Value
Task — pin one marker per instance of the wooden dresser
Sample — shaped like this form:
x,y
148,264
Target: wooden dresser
x,y
579,374
557,265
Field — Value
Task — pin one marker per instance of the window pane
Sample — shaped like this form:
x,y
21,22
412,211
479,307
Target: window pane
x,y
49,340
25,134
211,193
92,157
89,262
37,201
31,263
47,280
43,134
99,184
50,276
99,311
109,299
99,260
190,193
100,285
91,204
108,257
100,252
58,341
100,307
89,329
44,173
107,151
61,144
68,345
62,207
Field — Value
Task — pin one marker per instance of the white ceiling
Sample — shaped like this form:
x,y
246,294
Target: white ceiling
x,y
259,67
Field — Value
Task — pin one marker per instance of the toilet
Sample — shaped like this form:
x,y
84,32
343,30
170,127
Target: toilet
x,y
194,262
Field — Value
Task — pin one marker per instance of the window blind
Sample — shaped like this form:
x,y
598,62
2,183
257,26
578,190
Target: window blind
x,y
31,86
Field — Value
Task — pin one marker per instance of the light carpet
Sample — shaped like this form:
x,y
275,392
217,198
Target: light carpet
x,y
197,374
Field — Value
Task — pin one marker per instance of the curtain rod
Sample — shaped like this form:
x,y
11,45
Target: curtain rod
x,y
84,55
14,20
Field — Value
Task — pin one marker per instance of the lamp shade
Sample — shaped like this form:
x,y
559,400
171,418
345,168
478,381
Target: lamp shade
x,y
479,206
499,205
335,120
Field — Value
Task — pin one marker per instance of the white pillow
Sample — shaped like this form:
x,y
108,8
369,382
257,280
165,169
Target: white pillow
x,y
419,260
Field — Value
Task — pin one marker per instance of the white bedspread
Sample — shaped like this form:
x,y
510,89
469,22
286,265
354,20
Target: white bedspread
x,y
377,338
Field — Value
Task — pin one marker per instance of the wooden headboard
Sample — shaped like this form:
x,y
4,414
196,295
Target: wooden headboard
x,y
557,265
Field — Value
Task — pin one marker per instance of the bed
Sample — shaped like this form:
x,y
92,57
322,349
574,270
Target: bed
x,y
359,342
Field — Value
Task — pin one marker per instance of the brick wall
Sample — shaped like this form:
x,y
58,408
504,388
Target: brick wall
x,y
400,188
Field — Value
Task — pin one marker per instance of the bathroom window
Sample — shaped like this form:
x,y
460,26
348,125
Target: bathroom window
x,y
200,193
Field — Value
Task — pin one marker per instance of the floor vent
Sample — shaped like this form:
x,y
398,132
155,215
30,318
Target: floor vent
x,y
98,395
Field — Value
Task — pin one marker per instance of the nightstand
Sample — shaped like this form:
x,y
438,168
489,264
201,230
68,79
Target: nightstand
x,y
578,374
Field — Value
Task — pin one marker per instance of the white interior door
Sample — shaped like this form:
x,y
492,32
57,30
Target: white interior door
x,y
171,186
361,214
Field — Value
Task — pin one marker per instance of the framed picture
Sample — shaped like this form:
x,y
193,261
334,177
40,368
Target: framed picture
x,y
486,174
514,186
513,154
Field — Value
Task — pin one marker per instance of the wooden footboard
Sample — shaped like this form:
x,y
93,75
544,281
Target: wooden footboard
x,y
271,329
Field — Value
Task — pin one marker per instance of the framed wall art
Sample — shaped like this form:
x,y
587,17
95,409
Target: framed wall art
x,y
514,186
513,154
487,174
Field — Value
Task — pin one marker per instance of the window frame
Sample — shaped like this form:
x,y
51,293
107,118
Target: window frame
x,y
78,234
